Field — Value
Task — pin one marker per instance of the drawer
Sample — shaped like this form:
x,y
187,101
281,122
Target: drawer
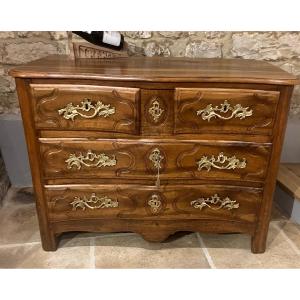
x,y
214,110
170,202
86,107
153,159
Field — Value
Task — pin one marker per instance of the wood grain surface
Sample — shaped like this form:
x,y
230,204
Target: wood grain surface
x,y
156,69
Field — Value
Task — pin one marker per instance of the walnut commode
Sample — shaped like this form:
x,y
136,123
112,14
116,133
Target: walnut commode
x,y
154,145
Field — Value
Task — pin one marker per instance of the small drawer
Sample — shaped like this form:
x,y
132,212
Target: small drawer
x,y
86,107
171,202
214,110
154,160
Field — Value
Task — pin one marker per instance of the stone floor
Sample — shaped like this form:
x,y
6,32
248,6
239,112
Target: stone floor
x,y
20,245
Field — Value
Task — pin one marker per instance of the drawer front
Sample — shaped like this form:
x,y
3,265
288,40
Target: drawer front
x,y
171,202
203,110
157,112
85,107
153,160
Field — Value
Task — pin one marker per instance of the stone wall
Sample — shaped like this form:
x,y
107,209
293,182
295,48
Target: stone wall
x,y
20,47
279,48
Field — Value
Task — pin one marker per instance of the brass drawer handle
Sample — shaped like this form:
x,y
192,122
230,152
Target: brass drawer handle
x,y
237,111
222,162
156,158
154,203
215,203
90,160
155,110
100,110
94,202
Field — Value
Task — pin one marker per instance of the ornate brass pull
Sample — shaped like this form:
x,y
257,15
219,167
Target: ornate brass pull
x,y
94,202
100,110
215,203
90,160
155,110
156,159
237,111
154,203
222,162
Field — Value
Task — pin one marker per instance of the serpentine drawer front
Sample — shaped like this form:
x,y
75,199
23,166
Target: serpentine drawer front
x,y
74,107
232,204
130,159
153,145
225,110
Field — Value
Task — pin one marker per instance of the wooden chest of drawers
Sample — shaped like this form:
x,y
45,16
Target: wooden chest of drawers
x,y
154,145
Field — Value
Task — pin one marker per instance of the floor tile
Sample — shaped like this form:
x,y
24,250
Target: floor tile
x,y
83,237
292,231
18,219
131,251
233,251
73,254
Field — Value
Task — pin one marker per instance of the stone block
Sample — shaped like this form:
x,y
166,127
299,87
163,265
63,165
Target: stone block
x,y
203,49
19,53
58,35
62,47
214,34
9,103
178,48
289,44
196,33
173,34
138,34
134,50
6,34
266,45
33,34
157,49
7,83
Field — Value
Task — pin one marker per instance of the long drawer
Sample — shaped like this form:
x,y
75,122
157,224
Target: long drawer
x,y
154,159
146,202
86,107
